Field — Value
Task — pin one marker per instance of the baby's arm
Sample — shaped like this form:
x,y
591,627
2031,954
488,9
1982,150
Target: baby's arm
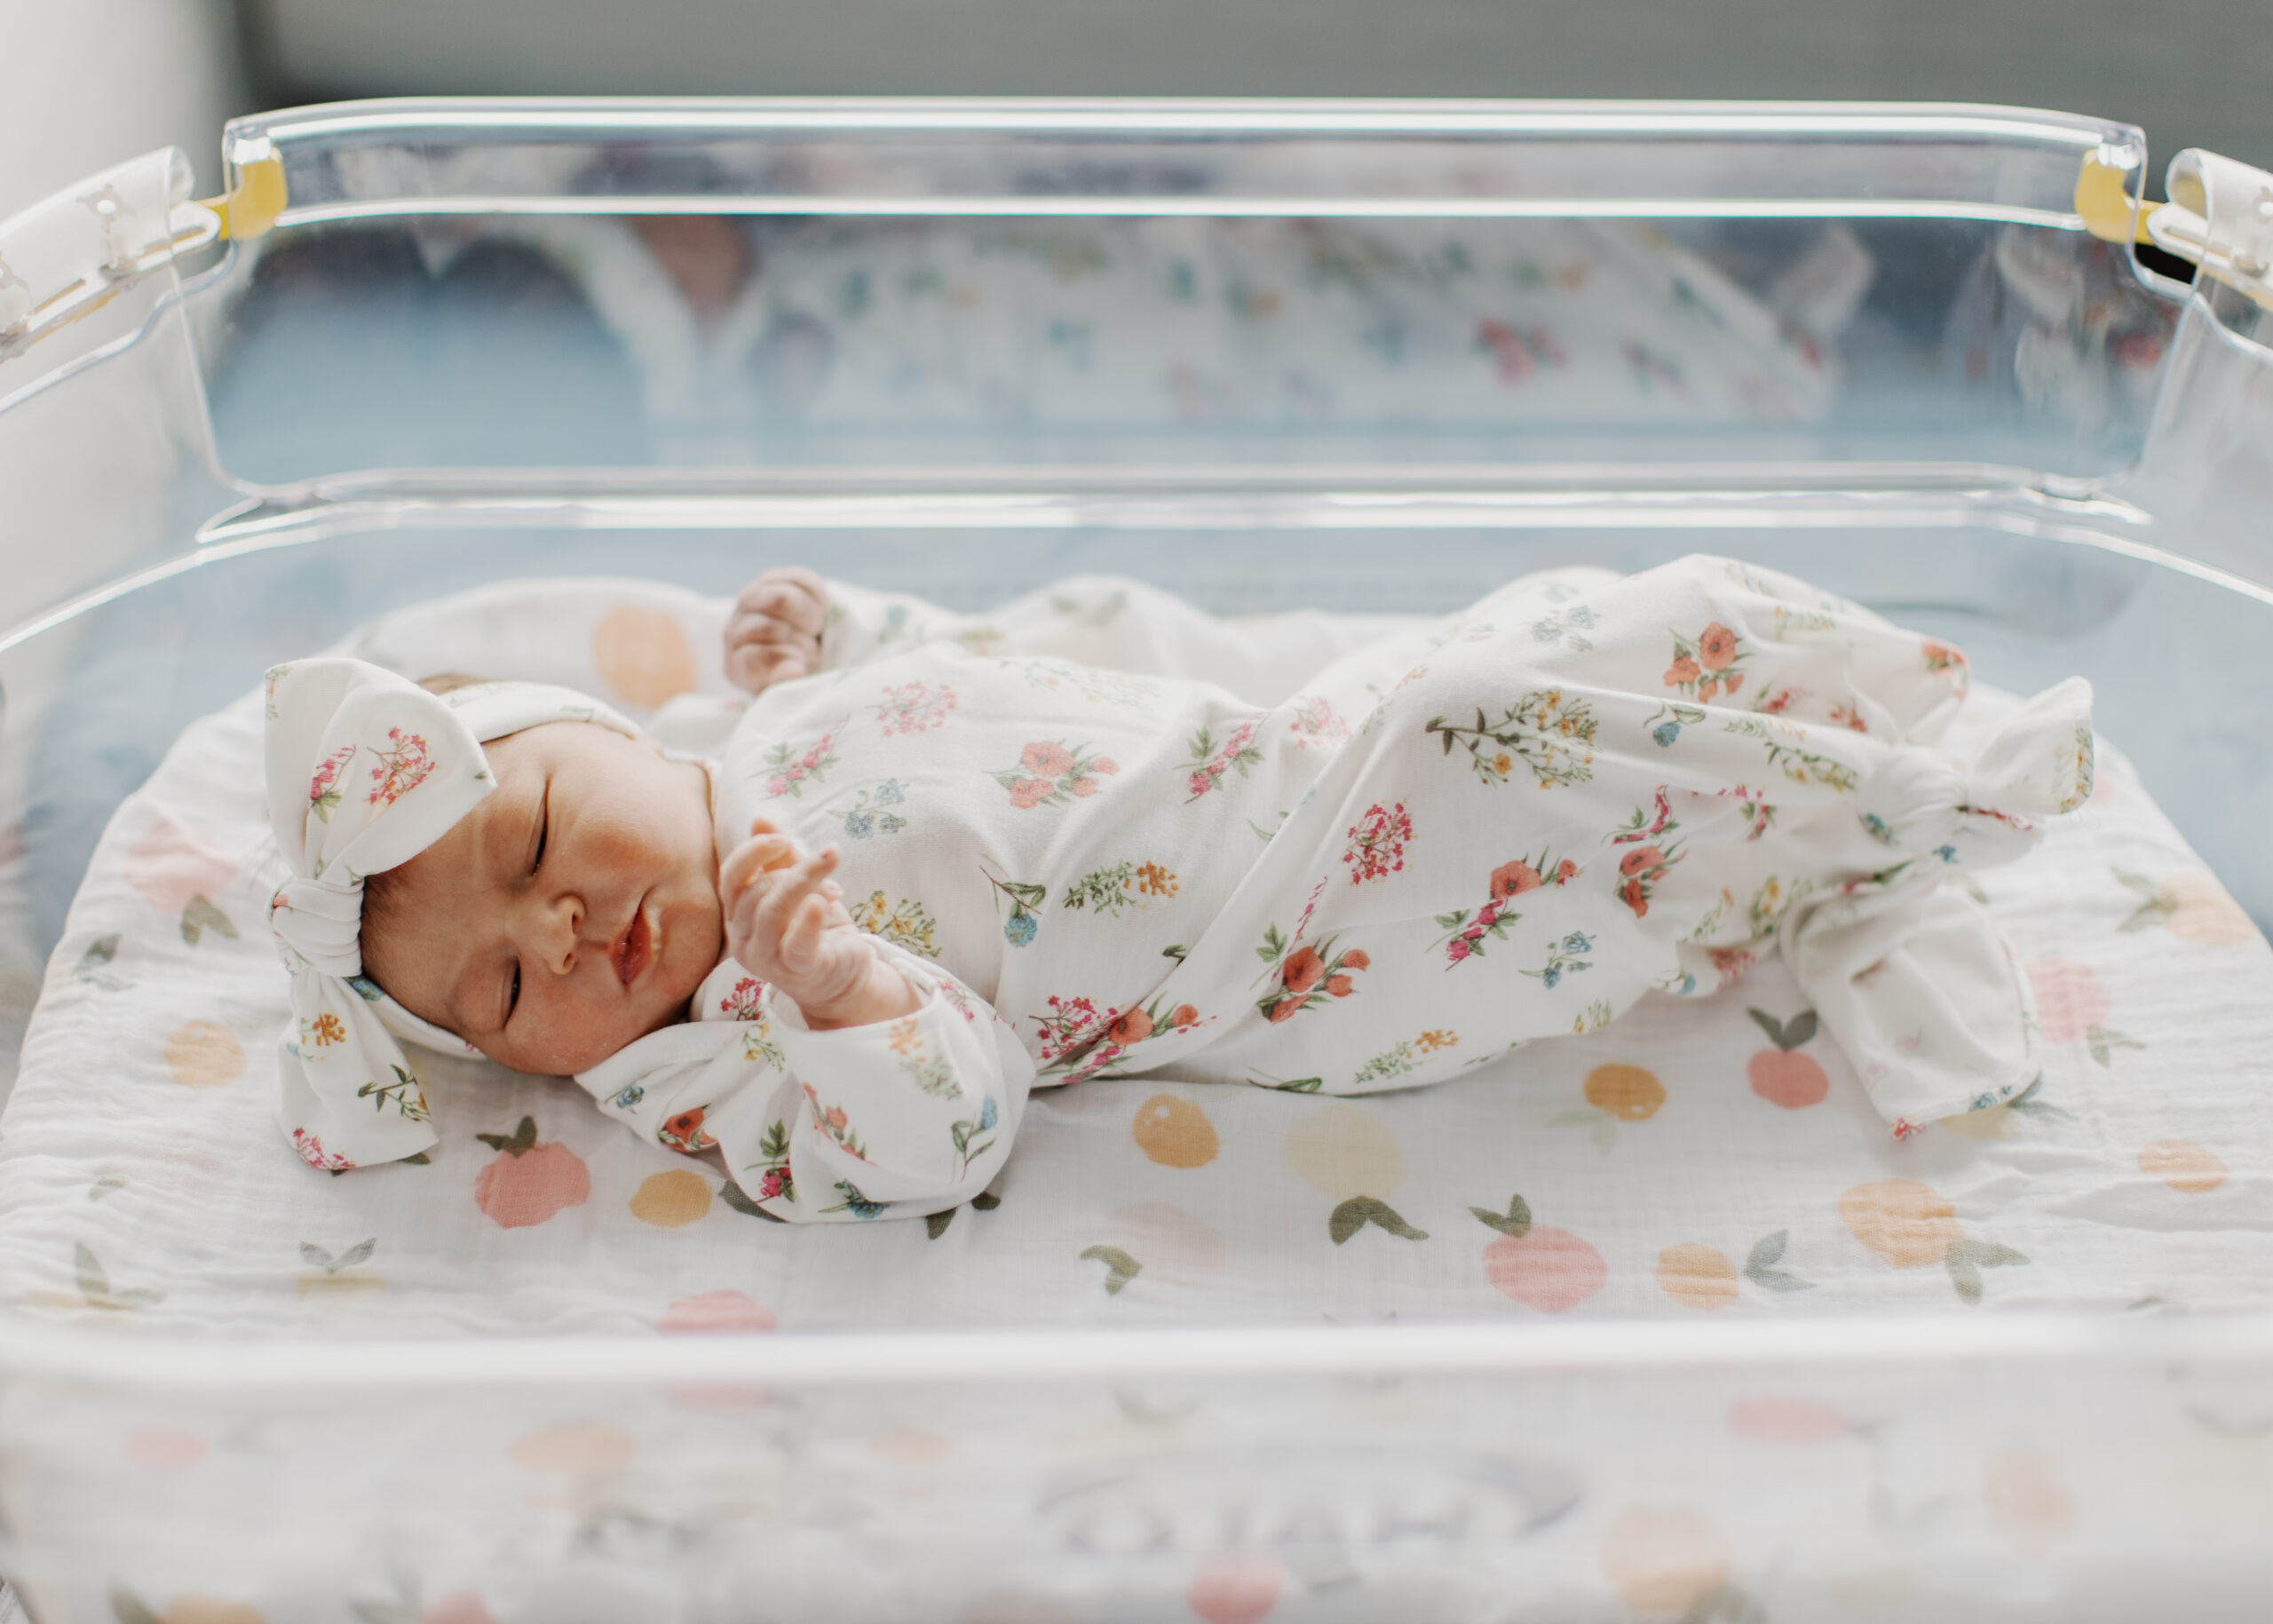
x,y
791,621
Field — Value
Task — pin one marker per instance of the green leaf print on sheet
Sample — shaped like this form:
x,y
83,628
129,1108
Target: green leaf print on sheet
x,y
96,1289
1052,773
199,916
1760,1265
1550,732
1120,1267
795,769
1359,1210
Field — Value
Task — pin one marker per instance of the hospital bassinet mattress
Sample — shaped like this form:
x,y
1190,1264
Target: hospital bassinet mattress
x,y
1698,1157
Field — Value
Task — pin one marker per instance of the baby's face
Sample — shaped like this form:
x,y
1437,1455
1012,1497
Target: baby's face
x,y
573,910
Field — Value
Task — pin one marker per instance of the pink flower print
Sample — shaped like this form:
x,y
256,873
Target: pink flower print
x,y
1377,842
313,1152
1210,760
1847,716
743,1003
1314,725
402,768
770,1187
323,788
793,770
914,706
1051,773
1941,659
1776,704
1458,948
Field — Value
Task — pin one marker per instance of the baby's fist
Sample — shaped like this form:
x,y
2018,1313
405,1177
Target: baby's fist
x,y
774,633
786,924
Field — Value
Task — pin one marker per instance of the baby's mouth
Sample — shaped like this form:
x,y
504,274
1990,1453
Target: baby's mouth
x,y
636,946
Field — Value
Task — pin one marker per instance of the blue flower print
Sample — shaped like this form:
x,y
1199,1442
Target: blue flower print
x,y
1948,854
1020,930
630,1097
859,1206
1665,733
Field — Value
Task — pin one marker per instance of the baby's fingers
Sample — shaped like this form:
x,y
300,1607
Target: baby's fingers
x,y
801,949
794,594
789,891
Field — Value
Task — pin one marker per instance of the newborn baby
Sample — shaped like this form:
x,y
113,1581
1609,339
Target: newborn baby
x,y
930,868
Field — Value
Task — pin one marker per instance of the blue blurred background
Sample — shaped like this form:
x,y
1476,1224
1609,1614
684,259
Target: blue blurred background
x,y
94,81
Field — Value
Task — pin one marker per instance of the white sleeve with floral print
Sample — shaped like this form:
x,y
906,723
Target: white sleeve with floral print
x,y
909,1116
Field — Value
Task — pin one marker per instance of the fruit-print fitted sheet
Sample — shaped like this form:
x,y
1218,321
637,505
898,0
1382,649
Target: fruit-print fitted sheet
x,y
1701,1158
1504,826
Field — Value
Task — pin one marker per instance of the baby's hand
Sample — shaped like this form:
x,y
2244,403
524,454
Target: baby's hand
x,y
775,631
786,923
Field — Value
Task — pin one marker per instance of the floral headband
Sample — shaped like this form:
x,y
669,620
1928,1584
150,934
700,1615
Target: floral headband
x,y
366,769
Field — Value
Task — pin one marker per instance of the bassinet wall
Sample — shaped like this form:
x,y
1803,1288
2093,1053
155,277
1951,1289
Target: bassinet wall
x,y
1901,350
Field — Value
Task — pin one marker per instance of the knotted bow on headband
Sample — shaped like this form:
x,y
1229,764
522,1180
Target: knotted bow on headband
x,y
366,769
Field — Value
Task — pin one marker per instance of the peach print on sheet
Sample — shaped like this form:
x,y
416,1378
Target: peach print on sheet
x,y
529,1182
644,654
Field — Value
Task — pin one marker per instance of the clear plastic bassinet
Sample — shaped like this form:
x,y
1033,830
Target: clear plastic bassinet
x,y
1906,351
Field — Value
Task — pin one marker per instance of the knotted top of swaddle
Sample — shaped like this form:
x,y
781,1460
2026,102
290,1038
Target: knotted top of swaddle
x,y
365,771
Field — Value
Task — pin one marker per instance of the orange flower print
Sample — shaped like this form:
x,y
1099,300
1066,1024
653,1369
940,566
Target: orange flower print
x,y
1847,716
1942,659
1184,1015
325,1030
1707,664
684,1132
1305,976
1649,830
1494,918
1642,857
1634,897
1131,1026
1513,879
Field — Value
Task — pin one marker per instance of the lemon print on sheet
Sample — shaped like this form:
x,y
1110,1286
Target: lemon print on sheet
x,y
643,653
672,1200
201,1055
1664,1559
1346,1153
1698,1276
2190,1169
1175,1132
574,1449
1914,1226
1614,1094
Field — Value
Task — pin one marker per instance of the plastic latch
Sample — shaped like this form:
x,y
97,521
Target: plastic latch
x,y
250,209
2220,216
2105,199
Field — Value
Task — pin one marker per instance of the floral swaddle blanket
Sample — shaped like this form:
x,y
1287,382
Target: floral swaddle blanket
x,y
1504,826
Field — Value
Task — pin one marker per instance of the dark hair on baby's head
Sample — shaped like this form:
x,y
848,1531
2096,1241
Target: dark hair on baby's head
x,y
382,903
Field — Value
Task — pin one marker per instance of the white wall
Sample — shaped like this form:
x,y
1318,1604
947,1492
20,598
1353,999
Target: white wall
x,y
84,83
